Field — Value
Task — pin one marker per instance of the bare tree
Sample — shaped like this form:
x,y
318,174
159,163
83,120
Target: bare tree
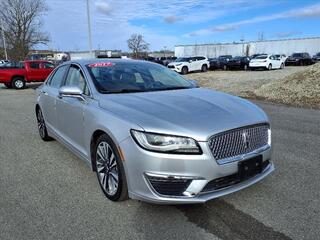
x,y
22,25
137,44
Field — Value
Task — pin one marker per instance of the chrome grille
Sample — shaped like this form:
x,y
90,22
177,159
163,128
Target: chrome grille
x,y
239,141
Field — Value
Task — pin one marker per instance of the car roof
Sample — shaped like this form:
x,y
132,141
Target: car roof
x,y
102,60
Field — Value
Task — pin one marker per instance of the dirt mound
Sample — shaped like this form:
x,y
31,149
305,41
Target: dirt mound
x,y
299,89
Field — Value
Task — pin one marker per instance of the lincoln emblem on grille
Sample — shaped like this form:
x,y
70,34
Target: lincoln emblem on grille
x,y
246,141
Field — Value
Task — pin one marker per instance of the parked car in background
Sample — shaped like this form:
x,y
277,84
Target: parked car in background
x,y
256,55
299,59
213,63
189,64
316,58
166,60
220,62
268,62
24,72
239,62
283,57
3,62
150,134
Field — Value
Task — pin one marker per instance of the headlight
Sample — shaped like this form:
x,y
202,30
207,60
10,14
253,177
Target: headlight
x,y
178,64
166,143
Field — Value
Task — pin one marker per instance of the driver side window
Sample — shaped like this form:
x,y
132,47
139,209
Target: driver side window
x,y
76,78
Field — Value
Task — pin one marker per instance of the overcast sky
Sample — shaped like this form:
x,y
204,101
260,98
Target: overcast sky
x,y
171,22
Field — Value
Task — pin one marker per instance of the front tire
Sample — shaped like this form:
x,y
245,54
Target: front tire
x,y
282,66
184,70
110,170
204,68
18,83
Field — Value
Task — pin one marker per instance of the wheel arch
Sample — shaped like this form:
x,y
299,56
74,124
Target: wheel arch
x,y
18,76
94,136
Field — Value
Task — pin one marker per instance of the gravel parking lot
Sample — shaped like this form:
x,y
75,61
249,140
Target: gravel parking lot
x,y
241,83
48,193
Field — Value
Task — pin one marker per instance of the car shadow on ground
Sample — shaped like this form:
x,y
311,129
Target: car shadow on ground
x,y
226,222
216,217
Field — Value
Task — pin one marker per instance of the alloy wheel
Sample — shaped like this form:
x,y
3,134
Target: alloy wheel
x,y
41,124
107,168
18,84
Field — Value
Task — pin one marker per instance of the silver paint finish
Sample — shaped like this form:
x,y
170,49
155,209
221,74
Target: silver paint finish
x,y
197,113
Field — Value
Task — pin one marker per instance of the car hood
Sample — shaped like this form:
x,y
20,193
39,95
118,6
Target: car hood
x,y
176,63
198,113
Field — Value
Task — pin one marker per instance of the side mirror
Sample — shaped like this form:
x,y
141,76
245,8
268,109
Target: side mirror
x,y
194,82
71,91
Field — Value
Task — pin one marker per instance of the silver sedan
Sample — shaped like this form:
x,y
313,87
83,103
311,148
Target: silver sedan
x,y
152,135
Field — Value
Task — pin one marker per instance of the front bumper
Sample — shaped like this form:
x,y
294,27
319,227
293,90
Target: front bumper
x,y
198,170
175,68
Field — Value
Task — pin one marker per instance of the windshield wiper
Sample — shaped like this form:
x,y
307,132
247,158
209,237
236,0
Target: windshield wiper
x,y
172,88
145,90
125,91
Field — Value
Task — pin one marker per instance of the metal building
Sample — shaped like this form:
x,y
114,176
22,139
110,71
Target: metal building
x,y
285,46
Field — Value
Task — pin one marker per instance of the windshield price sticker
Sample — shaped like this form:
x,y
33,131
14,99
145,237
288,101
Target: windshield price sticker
x,y
101,64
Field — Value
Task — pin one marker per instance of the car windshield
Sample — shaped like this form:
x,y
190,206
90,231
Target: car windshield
x,y
297,55
125,77
183,59
224,57
318,54
261,57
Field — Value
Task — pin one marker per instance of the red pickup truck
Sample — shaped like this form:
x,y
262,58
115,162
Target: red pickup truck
x,y
25,72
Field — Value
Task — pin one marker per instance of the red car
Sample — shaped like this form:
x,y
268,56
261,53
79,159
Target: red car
x,y
25,72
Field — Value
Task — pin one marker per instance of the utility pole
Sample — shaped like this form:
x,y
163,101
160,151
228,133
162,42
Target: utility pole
x,y
4,41
165,49
89,27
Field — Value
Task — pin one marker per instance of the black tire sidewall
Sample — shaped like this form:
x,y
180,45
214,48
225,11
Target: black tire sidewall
x,y
184,70
46,136
122,191
204,68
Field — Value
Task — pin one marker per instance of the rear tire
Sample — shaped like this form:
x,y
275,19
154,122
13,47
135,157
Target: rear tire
x,y
282,66
204,68
270,67
8,85
42,126
184,70
109,168
18,83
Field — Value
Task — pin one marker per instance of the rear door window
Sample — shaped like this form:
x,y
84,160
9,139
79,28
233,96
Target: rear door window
x,y
34,65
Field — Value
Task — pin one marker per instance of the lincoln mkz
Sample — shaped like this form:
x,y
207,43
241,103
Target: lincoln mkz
x,y
152,135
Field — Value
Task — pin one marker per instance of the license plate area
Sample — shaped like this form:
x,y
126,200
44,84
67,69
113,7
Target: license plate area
x,y
250,167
